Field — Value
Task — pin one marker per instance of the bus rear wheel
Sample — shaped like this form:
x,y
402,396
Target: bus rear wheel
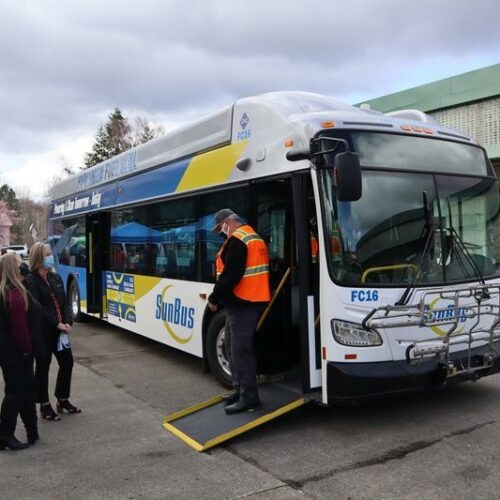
x,y
218,359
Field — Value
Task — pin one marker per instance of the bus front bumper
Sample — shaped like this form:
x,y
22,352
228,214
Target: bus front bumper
x,y
361,381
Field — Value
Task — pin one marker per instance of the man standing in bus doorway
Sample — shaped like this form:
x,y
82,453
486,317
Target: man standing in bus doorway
x,y
242,287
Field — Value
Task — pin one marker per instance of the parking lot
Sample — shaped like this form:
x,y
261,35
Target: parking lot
x,y
435,445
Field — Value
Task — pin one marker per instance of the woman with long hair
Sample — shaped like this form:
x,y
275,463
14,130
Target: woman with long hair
x,y
16,356
48,289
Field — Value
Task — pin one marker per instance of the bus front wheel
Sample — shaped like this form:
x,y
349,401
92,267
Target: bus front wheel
x,y
74,302
218,359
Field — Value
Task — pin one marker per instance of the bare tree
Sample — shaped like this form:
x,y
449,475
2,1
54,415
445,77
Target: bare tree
x,y
67,166
144,131
32,213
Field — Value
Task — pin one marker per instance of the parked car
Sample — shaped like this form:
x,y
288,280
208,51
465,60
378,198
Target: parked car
x,y
22,250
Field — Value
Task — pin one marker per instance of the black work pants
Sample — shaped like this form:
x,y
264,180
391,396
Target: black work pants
x,y
239,339
19,396
63,383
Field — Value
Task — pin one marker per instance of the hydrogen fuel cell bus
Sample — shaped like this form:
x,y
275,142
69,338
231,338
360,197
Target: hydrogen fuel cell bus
x,y
383,235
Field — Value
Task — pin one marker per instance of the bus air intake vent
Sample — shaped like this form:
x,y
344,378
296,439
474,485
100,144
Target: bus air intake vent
x,y
369,124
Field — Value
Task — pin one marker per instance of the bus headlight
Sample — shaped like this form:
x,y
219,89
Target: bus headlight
x,y
354,335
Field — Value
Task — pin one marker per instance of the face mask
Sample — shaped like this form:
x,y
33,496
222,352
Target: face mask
x,y
224,229
48,262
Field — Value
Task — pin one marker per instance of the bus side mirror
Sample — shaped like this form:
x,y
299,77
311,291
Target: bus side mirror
x,y
347,176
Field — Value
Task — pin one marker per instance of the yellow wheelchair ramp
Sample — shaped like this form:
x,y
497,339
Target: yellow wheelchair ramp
x,y
205,425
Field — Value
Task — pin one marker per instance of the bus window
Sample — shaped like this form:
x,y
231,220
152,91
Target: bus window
x,y
69,242
156,240
207,241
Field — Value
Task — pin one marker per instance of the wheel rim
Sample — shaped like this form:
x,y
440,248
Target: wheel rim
x,y
75,301
220,349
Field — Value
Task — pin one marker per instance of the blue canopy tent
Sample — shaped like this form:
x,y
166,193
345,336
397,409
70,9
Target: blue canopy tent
x,y
133,232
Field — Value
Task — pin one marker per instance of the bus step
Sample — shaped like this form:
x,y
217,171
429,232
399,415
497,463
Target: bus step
x,y
206,424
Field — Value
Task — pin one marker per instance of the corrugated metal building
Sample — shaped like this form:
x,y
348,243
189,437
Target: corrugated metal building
x,y
468,102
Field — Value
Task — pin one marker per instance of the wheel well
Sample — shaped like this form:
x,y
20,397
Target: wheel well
x,y
207,318
70,280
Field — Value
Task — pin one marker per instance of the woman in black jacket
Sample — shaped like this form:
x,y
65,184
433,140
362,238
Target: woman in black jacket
x,y
48,289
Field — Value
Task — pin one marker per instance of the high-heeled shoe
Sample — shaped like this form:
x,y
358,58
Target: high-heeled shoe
x,y
12,443
47,413
64,405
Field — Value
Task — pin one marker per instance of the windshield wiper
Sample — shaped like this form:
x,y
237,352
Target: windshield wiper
x,y
429,228
462,247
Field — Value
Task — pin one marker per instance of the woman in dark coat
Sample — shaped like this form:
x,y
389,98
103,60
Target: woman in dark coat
x,y
48,289
16,356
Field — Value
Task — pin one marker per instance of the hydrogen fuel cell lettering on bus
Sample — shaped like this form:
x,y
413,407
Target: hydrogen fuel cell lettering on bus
x,y
120,290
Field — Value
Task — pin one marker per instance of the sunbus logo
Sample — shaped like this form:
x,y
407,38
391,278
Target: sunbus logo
x,y
174,313
438,312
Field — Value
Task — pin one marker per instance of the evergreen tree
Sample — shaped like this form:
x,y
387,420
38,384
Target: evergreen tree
x,y
117,136
111,139
101,150
118,130
8,195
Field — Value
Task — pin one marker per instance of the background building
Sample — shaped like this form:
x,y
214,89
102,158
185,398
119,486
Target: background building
x,y
469,102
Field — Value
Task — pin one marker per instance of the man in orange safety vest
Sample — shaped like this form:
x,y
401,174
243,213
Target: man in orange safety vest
x,y
242,287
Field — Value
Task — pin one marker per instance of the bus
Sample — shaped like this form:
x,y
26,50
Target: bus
x,y
382,229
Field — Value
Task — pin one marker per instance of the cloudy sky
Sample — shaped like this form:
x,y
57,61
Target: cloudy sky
x,y
65,65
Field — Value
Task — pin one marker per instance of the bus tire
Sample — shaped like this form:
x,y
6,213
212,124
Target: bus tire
x,y
217,357
74,302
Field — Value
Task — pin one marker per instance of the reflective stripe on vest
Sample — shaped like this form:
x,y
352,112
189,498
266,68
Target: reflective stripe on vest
x,y
254,285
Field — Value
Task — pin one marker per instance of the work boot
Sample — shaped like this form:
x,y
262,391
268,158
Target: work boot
x,y
231,398
243,405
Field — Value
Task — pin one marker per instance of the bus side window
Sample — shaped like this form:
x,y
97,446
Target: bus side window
x,y
208,242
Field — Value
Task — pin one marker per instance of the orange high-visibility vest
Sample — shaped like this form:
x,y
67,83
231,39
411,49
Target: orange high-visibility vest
x,y
314,248
254,285
336,243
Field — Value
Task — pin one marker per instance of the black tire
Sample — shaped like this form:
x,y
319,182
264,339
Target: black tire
x,y
74,302
216,353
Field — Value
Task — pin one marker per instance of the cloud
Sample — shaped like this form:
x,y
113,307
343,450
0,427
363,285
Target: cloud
x,y
65,66
31,175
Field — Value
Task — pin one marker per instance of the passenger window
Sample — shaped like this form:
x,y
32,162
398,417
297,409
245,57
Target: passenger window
x,y
69,242
209,242
172,239
155,240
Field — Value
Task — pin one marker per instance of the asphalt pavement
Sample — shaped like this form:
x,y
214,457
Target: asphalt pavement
x,y
442,444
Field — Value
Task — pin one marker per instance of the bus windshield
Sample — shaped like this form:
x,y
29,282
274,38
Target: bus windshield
x,y
409,227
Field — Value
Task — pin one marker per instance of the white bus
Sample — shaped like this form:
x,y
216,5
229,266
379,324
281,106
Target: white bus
x,y
382,231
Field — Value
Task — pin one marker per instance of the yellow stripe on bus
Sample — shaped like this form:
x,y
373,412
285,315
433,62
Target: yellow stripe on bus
x,y
144,284
209,168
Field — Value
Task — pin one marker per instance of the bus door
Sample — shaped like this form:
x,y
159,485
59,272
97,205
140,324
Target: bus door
x,y
305,281
277,338
98,231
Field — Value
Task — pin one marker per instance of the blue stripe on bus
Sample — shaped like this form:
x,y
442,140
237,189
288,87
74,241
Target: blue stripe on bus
x,y
154,183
